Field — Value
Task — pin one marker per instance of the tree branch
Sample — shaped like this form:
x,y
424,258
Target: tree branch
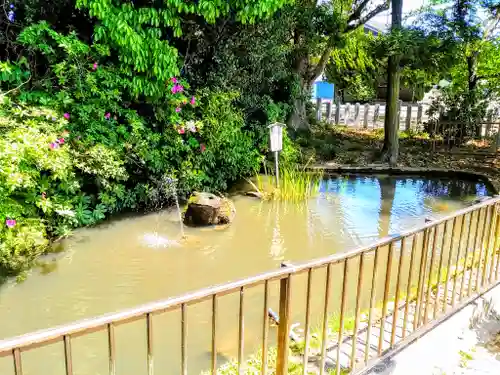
x,y
493,24
320,66
356,15
358,21
361,21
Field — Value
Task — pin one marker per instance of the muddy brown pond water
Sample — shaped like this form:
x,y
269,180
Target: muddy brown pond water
x,y
131,261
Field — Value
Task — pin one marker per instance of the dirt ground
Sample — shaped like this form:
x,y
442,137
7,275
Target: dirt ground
x,y
340,146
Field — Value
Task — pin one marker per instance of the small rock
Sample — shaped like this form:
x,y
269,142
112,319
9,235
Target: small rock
x,y
209,209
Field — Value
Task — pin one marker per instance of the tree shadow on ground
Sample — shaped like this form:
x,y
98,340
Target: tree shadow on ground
x,y
485,321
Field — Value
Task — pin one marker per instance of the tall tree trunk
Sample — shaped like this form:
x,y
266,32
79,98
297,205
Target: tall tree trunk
x,y
471,94
298,118
308,75
390,150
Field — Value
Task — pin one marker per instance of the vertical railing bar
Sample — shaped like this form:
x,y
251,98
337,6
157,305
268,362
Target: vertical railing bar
x,y
342,313
410,281
265,328
325,318
457,260
68,361
421,281
111,349
284,326
390,254
373,294
448,265
357,311
440,269
497,268
464,272
183,339
214,335
495,243
18,368
307,323
241,334
429,282
487,218
398,287
149,330
488,245
474,248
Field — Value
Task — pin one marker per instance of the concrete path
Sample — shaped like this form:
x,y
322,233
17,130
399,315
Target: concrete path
x,y
453,347
467,343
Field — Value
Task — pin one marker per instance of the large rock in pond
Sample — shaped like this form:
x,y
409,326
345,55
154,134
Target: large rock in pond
x,y
208,209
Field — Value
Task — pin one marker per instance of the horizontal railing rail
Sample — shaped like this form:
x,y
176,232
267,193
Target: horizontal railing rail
x,y
417,277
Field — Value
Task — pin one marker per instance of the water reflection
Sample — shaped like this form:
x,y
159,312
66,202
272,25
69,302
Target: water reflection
x,y
113,267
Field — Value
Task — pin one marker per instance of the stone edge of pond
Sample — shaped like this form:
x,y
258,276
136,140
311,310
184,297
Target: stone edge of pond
x,y
407,171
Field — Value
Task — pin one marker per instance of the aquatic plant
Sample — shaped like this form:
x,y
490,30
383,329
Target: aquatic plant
x,y
296,184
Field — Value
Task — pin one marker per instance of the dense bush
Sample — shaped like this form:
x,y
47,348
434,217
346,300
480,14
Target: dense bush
x,y
98,151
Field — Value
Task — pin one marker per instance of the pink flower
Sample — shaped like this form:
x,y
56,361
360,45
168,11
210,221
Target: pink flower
x,y
54,145
177,88
10,223
94,67
203,147
60,141
193,100
181,130
44,195
66,116
107,116
177,109
174,80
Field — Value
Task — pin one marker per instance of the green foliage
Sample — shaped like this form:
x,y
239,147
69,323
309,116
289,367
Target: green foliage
x,y
472,27
229,151
253,60
36,181
353,67
99,150
140,34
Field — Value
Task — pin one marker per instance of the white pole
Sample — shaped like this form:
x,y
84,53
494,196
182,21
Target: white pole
x,y
276,156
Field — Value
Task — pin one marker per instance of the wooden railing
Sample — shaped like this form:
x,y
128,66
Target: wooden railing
x,y
409,282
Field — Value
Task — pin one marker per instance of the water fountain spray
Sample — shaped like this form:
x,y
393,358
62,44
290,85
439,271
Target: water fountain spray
x,y
176,198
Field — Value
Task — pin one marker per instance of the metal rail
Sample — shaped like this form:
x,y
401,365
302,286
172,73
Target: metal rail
x,y
430,260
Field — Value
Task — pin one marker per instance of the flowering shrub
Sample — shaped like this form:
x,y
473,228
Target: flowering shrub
x,y
99,150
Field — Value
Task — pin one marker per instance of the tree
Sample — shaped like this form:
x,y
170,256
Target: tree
x,y
391,143
354,68
252,59
473,26
319,29
141,34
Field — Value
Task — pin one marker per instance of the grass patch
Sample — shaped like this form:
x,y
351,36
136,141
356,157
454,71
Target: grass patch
x,y
253,365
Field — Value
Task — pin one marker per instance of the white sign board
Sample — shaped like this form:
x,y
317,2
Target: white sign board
x,y
276,136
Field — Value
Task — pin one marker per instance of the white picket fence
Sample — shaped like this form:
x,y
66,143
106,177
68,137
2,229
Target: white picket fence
x,y
371,116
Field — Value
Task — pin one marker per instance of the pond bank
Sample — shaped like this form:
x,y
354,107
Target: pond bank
x,y
337,148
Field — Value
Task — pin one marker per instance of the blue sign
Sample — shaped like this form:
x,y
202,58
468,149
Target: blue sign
x,y
323,90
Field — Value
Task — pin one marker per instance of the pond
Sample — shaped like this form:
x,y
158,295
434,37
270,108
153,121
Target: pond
x,y
130,261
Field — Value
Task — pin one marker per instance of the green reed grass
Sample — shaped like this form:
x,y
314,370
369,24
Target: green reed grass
x,y
296,184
